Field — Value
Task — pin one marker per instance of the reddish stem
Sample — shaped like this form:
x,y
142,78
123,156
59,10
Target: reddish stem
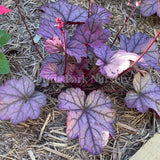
x,y
23,19
127,18
65,50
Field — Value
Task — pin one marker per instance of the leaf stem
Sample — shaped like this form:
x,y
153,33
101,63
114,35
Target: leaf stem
x,y
23,19
127,18
65,50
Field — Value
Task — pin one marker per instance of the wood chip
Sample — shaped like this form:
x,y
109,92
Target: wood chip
x,y
57,153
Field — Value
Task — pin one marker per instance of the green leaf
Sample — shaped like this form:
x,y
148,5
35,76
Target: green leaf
x,y
4,65
4,37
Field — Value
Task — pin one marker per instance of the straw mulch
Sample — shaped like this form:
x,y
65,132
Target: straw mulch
x,y
45,138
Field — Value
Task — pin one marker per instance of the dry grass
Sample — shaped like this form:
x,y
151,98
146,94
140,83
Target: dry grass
x,y
45,138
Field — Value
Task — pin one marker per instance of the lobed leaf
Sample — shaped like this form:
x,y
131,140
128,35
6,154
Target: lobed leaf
x,y
4,65
146,94
150,7
19,100
67,12
57,59
54,45
103,14
4,37
89,118
51,71
91,33
138,44
114,63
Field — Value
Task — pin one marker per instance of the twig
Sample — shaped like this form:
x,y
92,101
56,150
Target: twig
x,y
23,19
127,18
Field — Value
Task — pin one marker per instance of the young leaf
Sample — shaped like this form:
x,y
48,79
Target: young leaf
x,y
4,65
57,59
111,65
19,101
91,33
104,14
67,12
54,45
51,71
4,10
146,94
74,74
4,37
137,44
89,118
150,7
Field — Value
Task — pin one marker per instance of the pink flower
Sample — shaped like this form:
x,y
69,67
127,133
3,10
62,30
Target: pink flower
x,y
4,10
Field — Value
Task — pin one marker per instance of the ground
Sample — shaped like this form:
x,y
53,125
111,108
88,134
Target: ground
x,y
45,138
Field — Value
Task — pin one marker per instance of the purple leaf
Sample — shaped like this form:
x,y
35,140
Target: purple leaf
x,y
54,45
51,71
74,74
57,59
62,9
76,49
104,14
150,7
146,94
113,63
19,101
91,33
138,44
90,118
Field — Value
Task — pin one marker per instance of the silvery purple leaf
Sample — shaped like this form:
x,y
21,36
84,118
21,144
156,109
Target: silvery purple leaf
x,y
51,71
91,33
103,13
150,7
57,59
138,44
114,63
89,118
146,94
67,12
19,100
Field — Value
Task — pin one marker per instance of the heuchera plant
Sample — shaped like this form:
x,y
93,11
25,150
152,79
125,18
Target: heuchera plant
x,y
75,58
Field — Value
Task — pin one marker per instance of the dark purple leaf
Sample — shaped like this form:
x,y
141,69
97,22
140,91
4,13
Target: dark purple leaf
x,y
146,94
62,9
90,118
19,101
51,71
47,30
91,33
104,14
54,45
76,49
74,74
114,63
150,7
138,44
57,59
